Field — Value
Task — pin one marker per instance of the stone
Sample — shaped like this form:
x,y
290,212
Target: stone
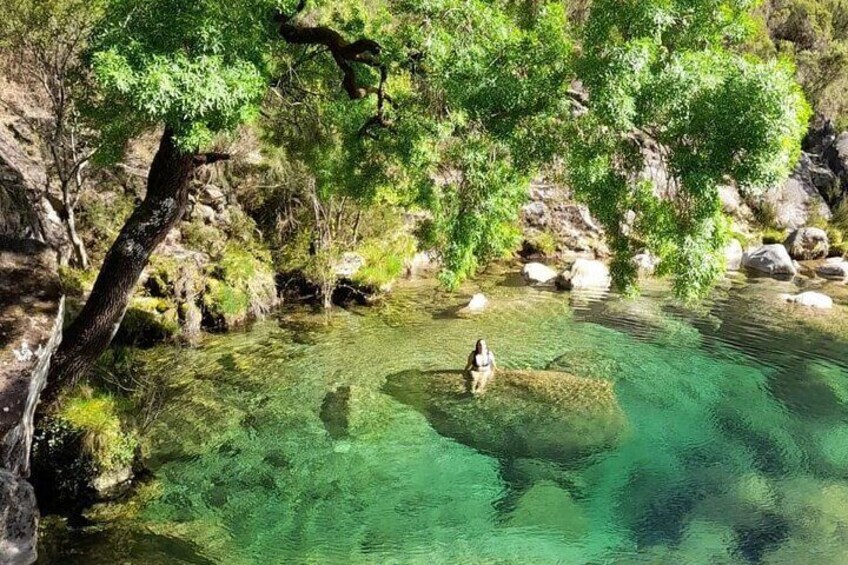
x,y
478,303
646,263
552,210
836,156
549,506
548,415
27,210
797,200
810,299
733,254
212,195
807,243
585,274
422,264
537,273
835,268
18,520
349,264
772,259
204,212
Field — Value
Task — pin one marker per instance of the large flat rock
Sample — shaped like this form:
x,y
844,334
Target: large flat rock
x,y
31,309
538,414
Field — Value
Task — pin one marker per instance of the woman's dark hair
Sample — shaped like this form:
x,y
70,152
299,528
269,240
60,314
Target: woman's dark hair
x,y
479,347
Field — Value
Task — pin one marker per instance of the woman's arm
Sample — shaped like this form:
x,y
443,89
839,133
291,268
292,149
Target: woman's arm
x,y
470,362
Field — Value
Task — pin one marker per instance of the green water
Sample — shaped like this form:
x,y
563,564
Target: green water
x,y
285,444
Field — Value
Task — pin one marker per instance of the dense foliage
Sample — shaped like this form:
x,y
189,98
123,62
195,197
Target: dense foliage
x,y
673,114
471,99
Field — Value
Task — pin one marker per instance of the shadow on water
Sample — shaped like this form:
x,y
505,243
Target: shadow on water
x,y
334,412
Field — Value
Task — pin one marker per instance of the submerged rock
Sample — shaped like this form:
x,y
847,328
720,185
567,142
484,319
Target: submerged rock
x,y
807,243
548,506
538,273
539,414
770,259
810,299
477,303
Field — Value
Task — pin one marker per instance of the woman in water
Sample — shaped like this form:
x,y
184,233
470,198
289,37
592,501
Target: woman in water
x,y
481,364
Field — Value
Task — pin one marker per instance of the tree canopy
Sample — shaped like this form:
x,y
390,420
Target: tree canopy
x,y
460,103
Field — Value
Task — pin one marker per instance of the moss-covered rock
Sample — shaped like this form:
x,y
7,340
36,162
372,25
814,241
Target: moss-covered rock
x,y
241,287
149,320
82,452
542,414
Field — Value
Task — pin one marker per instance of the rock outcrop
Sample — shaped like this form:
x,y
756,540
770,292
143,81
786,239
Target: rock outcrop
x,y
807,243
771,260
836,156
27,209
552,211
733,254
798,199
31,309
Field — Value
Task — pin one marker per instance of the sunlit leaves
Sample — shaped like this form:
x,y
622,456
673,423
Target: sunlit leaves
x,y
667,93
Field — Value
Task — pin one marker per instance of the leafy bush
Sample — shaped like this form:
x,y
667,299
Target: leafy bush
x,y
384,259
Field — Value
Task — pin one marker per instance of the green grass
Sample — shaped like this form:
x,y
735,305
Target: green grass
x,y
97,416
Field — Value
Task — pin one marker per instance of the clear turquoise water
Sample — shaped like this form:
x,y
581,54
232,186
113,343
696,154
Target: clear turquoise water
x,y
284,445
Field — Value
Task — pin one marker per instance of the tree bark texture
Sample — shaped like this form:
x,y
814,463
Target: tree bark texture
x,y
164,204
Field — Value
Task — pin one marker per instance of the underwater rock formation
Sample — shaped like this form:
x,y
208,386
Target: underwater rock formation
x,y
540,414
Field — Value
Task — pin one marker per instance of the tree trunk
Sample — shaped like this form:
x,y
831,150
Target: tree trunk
x,y
93,329
80,255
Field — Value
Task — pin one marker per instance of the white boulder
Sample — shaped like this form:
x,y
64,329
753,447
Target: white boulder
x,y
349,265
585,274
770,259
422,264
810,299
537,273
733,255
646,263
477,303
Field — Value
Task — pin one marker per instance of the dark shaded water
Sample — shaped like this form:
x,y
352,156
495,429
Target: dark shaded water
x,y
285,444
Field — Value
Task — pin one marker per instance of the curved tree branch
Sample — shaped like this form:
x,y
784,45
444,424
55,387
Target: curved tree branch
x,y
345,53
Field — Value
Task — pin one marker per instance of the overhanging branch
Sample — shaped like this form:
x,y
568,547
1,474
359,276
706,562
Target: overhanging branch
x,y
345,54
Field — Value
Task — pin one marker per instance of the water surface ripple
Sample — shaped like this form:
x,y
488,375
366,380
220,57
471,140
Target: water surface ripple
x,y
285,444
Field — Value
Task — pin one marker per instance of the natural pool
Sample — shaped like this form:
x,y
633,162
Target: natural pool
x,y
308,439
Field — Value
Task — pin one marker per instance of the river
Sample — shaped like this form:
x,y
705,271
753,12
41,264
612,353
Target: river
x,y
284,444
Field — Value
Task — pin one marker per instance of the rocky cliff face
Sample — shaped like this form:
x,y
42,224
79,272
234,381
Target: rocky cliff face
x,y
31,309
26,206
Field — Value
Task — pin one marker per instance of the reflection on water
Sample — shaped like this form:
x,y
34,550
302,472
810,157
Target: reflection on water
x,y
306,441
